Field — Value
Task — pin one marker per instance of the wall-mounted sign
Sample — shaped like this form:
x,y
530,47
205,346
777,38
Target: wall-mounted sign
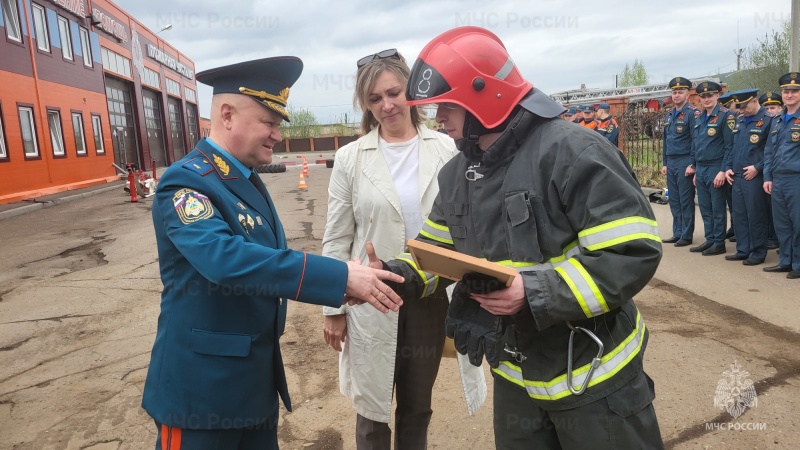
x,y
76,7
109,24
167,60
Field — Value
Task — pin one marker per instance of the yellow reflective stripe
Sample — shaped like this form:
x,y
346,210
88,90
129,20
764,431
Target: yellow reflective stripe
x,y
436,232
555,389
571,250
619,231
428,279
583,288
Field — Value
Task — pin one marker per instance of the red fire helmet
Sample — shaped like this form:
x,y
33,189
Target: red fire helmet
x,y
468,66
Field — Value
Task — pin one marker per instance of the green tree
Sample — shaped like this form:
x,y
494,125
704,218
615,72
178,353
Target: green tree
x,y
303,125
764,62
633,75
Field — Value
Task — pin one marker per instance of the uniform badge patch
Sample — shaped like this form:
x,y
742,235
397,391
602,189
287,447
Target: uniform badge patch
x,y
241,206
712,131
222,165
258,219
243,223
731,122
759,124
796,136
754,138
679,129
192,206
250,222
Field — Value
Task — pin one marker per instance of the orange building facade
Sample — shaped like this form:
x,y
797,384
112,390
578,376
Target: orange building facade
x,y
85,86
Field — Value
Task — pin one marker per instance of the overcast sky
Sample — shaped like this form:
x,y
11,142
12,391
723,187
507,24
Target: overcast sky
x,y
557,44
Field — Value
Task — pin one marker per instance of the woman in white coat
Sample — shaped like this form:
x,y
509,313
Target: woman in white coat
x,y
381,190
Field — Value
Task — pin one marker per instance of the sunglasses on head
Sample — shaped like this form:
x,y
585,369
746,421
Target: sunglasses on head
x,y
391,53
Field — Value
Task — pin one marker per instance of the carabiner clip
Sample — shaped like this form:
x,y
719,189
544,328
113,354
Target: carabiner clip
x,y
471,174
517,355
595,361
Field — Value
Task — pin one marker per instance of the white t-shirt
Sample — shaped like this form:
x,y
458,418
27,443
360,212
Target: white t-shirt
x,y
403,161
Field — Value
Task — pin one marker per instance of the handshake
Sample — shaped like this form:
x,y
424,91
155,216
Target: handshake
x,y
365,284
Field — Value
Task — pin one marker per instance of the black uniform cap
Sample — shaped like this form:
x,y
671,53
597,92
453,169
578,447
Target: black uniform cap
x,y
790,81
743,96
266,80
708,87
680,83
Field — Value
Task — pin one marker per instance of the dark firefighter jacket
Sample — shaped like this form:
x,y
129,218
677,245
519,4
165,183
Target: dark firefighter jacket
x,y
559,203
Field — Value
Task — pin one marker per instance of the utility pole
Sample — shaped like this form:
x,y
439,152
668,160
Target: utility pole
x,y
738,54
793,51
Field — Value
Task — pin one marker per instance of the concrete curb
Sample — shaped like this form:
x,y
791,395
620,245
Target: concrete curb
x,y
37,205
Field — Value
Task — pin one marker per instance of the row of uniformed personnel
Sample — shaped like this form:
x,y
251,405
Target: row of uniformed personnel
x,y
750,154
603,123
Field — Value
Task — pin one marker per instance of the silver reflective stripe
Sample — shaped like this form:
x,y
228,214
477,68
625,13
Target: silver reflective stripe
x,y
436,232
583,287
611,364
428,279
505,70
617,232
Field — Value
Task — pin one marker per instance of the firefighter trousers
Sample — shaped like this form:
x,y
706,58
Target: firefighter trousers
x,y
623,420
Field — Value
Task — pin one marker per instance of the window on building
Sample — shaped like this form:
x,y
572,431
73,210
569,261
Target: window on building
x,y
28,127
3,151
86,46
151,78
191,95
56,132
173,87
11,16
116,63
97,129
80,138
66,40
40,28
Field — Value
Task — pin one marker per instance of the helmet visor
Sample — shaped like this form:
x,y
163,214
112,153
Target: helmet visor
x,y
425,83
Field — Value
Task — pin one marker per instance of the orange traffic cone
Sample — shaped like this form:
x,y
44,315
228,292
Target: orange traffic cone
x,y
302,184
305,167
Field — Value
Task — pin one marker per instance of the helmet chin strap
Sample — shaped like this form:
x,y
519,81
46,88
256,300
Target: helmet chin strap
x,y
473,129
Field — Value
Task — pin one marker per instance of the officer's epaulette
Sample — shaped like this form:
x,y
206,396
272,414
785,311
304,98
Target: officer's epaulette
x,y
723,109
697,112
199,165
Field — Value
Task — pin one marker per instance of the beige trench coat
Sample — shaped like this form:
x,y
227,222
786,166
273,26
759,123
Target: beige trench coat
x,y
363,205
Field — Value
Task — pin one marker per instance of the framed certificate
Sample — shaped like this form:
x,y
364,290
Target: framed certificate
x,y
453,265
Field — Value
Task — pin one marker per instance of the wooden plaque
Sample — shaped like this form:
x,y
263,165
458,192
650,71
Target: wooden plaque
x,y
453,265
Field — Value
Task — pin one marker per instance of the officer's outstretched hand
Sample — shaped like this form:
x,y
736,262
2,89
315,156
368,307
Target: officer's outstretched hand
x,y
364,284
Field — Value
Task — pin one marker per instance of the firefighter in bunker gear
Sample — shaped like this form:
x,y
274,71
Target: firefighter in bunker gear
x,y
560,204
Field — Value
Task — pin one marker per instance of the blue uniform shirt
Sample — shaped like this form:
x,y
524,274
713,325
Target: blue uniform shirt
x,y
749,139
712,136
678,131
782,153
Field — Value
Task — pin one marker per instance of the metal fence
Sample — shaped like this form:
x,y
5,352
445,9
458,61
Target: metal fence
x,y
641,139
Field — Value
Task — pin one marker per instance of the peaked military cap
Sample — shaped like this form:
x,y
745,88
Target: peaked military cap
x,y
743,96
587,108
680,83
266,80
708,87
791,80
604,106
725,99
571,111
771,98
